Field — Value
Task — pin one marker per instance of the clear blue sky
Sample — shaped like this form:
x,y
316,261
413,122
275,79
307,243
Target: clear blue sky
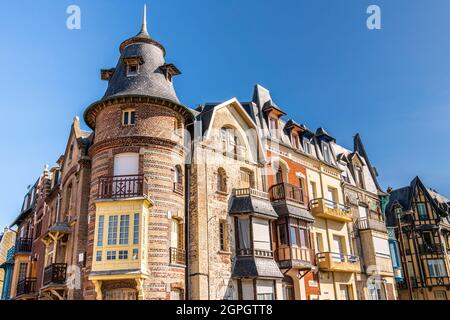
x,y
317,57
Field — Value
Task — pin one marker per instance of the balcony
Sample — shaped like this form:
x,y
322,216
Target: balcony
x,y
327,209
371,224
248,192
55,274
251,201
26,286
435,248
287,192
438,281
122,187
403,284
338,262
24,246
294,257
250,252
177,256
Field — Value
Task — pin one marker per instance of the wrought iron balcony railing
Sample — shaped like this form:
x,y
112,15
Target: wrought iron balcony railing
x,y
24,245
289,192
177,256
435,248
26,286
122,187
55,274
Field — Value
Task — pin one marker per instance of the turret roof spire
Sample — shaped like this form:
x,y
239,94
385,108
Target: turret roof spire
x,y
144,30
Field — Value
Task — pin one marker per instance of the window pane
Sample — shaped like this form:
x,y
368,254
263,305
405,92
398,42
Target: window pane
x,y
99,256
282,234
123,254
101,222
126,116
124,227
135,254
136,229
244,233
112,230
133,117
294,241
422,210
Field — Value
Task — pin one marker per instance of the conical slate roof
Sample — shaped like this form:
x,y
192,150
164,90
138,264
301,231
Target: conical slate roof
x,y
151,80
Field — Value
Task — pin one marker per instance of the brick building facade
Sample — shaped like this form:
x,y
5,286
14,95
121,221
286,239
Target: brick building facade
x,y
160,201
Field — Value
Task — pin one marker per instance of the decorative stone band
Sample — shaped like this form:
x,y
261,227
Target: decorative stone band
x,y
136,141
94,109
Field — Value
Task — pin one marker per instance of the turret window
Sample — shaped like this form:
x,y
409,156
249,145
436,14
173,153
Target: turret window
x,y
129,117
132,70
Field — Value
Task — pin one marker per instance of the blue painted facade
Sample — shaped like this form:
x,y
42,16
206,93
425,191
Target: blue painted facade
x,y
393,245
8,266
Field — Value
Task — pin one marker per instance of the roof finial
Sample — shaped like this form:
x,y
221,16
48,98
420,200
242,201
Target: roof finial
x,y
144,21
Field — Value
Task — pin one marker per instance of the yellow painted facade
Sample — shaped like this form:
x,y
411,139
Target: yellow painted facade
x,y
123,258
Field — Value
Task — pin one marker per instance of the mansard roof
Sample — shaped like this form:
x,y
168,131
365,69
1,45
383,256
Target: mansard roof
x,y
29,203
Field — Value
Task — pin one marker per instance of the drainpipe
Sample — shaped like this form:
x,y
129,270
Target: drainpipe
x,y
187,212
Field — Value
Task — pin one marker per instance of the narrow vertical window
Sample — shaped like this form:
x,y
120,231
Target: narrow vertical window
x,y
422,210
135,254
222,180
112,230
124,229
98,257
136,229
307,145
101,222
223,233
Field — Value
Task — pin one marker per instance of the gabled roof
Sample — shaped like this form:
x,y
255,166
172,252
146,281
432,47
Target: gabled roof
x,y
404,197
358,146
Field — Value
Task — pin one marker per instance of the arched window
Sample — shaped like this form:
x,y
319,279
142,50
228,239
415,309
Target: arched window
x,y
178,179
222,180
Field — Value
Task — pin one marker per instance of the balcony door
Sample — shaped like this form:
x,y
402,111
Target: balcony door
x,y
126,164
338,248
331,195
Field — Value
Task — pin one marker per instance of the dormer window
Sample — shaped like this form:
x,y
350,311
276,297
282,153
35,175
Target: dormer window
x,y
129,117
132,70
307,145
133,65
326,152
274,126
295,141
359,177
169,70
